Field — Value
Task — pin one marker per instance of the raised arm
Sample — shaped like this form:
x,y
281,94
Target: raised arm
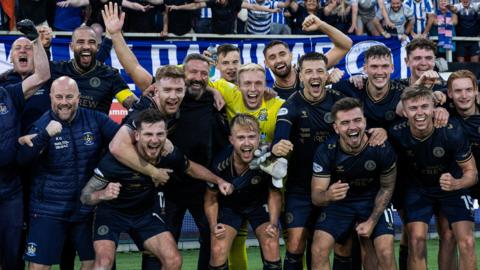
x,y
113,24
258,7
189,6
341,42
73,3
41,71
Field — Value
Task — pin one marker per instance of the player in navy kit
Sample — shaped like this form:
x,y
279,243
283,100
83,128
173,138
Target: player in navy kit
x,y
254,198
354,182
303,122
440,168
278,57
130,197
463,90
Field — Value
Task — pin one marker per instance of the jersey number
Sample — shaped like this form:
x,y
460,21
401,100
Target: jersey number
x,y
468,201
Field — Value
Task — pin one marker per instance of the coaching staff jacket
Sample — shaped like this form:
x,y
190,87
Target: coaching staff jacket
x,y
64,163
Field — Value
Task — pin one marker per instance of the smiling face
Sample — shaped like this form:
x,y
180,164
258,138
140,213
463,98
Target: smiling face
x,y
313,75
396,5
419,112
196,76
463,93
245,141
350,126
64,97
228,65
150,139
169,94
252,85
278,59
84,46
378,70
22,56
419,61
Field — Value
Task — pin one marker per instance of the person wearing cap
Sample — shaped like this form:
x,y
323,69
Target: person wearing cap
x,y
254,198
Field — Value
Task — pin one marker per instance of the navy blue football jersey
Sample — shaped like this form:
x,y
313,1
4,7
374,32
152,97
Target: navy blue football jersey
x,y
361,171
138,192
286,92
306,124
380,113
424,160
251,187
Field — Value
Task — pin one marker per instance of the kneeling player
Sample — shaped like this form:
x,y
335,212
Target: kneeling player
x,y
254,198
130,199
363,179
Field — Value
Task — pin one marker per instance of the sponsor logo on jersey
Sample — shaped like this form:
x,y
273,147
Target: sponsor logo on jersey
x,y
282,111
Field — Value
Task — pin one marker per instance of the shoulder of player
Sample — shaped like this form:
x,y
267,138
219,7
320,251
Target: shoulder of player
x,y
334,93
399,126
222,160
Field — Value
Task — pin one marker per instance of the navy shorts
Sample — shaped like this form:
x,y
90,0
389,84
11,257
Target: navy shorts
x,y
468,48
109,223
421,203
256,216
299,211
46,238
340,219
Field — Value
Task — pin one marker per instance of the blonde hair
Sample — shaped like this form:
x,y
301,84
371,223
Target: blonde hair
x,y
250,67
460,74
245,121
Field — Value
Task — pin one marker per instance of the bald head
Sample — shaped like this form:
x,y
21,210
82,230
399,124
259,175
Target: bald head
x,y
21,56
64,96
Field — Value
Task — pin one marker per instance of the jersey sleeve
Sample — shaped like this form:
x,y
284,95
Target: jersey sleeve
x,y
285,118
229,91
408,12
387,158
347,88
321,159
458,141
107,126
118,84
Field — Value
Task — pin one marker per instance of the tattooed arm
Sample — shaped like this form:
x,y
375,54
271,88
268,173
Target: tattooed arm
x,y
387,184
98,189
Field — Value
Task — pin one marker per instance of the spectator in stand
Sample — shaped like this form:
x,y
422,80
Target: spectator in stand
x,y
467,26
139,16
424,15
363,13
224,12
338,13
259,22
279,24
35,11
180,22
400,15
203,24
300,12
444,28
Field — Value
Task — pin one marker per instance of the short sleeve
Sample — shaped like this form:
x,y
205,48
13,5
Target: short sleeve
x,y
321,160
388,158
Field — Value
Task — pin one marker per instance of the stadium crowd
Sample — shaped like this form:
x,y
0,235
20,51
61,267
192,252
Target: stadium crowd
x,y
404,19
314,159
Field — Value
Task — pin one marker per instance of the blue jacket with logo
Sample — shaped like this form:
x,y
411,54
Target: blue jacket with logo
x,y
12,102
64,163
